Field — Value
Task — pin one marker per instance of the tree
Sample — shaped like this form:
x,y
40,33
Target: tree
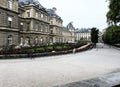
x,y
113,15
112,35
94,35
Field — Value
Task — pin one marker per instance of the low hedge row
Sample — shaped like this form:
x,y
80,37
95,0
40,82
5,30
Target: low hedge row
x,y
32,54
43,49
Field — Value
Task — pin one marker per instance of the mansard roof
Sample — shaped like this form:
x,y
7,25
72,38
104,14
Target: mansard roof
x,y
83,30
70,26
52,13
27,2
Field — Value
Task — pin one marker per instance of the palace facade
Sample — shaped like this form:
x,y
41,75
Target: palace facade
x,y
9,29
27,23
83,34
33,24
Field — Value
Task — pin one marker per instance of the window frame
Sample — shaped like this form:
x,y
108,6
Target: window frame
x,y
9,21
10,4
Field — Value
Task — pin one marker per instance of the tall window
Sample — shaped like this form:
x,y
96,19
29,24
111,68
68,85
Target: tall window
x,y
47,40
28,26
41,40
27,41
21,41
36,27
39,15
42,16
28,13
51,31
36,41
46,29
36,15
46,18
41,27
51,22
9,21
21,26
9,40
10,4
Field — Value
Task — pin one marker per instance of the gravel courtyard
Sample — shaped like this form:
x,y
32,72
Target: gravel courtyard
x,y
58,70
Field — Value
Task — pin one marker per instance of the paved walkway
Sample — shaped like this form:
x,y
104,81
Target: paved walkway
x,y
59,70
109,80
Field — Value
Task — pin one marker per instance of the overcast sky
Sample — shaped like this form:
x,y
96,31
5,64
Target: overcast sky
x,y
83,13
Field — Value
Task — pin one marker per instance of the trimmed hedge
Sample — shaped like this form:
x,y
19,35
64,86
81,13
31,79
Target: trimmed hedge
x,y
58,48
49,48
39,50
30,53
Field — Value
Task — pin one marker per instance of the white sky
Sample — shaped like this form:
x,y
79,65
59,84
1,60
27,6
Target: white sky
x,y
83,13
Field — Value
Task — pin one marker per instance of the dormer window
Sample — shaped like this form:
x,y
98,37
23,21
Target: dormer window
x,y
28,13
10,4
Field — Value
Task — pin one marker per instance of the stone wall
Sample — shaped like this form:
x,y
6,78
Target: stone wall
x,y
4,14
4,35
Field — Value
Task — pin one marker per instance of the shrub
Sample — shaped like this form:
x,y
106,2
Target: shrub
x,y
23,50
31,50
40,49
49,48
82,42
66,47
112,35
58,48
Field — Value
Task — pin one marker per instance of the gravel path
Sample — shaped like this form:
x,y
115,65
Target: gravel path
x,y
58,70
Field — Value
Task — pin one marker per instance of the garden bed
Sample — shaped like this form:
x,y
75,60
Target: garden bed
x,y
43,51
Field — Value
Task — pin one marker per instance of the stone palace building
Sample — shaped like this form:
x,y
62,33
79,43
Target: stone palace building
x,y
28,23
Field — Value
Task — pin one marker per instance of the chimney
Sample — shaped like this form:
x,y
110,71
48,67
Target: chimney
x,y
54,9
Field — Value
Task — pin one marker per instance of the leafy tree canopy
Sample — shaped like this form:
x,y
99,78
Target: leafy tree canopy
x,y
113,15
94,35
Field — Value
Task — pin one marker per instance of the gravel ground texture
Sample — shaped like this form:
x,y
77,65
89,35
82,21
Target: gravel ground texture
x,y
59,70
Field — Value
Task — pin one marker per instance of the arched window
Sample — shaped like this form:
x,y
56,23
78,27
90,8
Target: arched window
x,y
21,41
10,4
27,41
41,40
36,41
9,40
